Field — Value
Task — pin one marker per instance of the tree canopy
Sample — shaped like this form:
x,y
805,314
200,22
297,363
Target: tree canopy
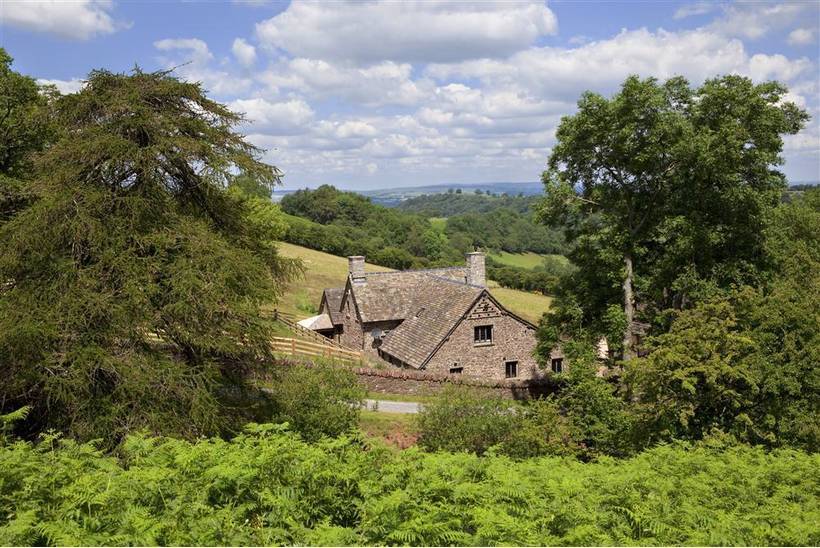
x,y
133,284
665,190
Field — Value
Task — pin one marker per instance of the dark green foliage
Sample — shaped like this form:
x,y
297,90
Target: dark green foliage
x,y
522,278
505,230
134,236
746,362
450,204
26,127
268,487
317,401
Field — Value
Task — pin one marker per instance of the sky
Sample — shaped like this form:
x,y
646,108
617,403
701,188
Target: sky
x,y
368,95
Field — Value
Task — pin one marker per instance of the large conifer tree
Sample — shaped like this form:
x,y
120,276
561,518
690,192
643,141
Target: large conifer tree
x,y
132,286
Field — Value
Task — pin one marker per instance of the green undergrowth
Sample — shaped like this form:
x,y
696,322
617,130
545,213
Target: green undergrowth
x,y
269,487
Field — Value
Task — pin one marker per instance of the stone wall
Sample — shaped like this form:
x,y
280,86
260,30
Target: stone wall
x,y
512,340
351,335
420,383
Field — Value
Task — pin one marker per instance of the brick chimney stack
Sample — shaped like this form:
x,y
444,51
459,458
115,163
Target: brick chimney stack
x,y
355,267
476,274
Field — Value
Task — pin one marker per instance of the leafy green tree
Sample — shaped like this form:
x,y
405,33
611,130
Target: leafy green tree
x,y
132,286
26,127
665,188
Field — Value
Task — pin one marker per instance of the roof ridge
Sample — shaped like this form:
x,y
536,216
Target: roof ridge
x,y
452,281
414,271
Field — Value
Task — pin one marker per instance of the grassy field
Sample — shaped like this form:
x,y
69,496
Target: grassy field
x,y
397,429
523,260
324,270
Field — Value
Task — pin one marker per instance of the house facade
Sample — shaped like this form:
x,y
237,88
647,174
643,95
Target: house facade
x,y
441,320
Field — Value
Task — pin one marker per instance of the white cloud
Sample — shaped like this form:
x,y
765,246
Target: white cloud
x,y
282,118
190,58
565,73
700,8
195,48
386,83
801,37
244,52
417,31
63,86
77,19
754,20
776,67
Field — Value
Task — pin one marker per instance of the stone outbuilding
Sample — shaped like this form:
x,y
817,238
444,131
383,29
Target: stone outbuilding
x,y
441,320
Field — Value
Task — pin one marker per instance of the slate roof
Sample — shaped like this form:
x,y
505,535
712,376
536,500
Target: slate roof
x,y
333,298
430,303
441,305
396,295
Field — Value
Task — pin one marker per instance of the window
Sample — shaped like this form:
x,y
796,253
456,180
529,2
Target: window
x,y
483,334
456,370
557,365
510,369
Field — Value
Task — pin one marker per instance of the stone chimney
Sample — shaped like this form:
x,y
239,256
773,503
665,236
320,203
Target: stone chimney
x,y
475,269
355,267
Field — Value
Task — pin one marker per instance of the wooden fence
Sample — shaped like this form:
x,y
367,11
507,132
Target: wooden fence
x,y
290,321
299,347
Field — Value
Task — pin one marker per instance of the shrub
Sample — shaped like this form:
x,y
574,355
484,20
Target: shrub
x,y
466,419
322,400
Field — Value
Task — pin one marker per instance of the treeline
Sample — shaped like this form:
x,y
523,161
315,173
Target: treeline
x,y
456,202
346,223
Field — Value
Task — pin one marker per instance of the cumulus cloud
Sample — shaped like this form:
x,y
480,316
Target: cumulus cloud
x,y
191,59
194,47
280,118
602,65
419,31
383,83
78,19
801,37
63,86
244,52
754,20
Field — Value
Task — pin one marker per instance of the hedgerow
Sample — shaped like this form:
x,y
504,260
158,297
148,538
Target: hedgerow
x,y
268,486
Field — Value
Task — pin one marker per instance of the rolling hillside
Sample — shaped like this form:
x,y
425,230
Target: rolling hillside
x,y
324,270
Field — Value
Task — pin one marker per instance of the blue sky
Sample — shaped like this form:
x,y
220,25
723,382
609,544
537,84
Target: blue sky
x,y
374,95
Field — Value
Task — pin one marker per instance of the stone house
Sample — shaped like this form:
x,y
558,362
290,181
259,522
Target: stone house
x,y
441,320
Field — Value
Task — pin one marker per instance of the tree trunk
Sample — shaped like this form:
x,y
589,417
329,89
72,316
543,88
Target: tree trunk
x,y
629,307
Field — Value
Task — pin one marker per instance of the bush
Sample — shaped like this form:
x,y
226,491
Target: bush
x,y
317,401
466,419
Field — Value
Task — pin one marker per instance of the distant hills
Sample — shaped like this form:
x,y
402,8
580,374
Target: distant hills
x,y
393,196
